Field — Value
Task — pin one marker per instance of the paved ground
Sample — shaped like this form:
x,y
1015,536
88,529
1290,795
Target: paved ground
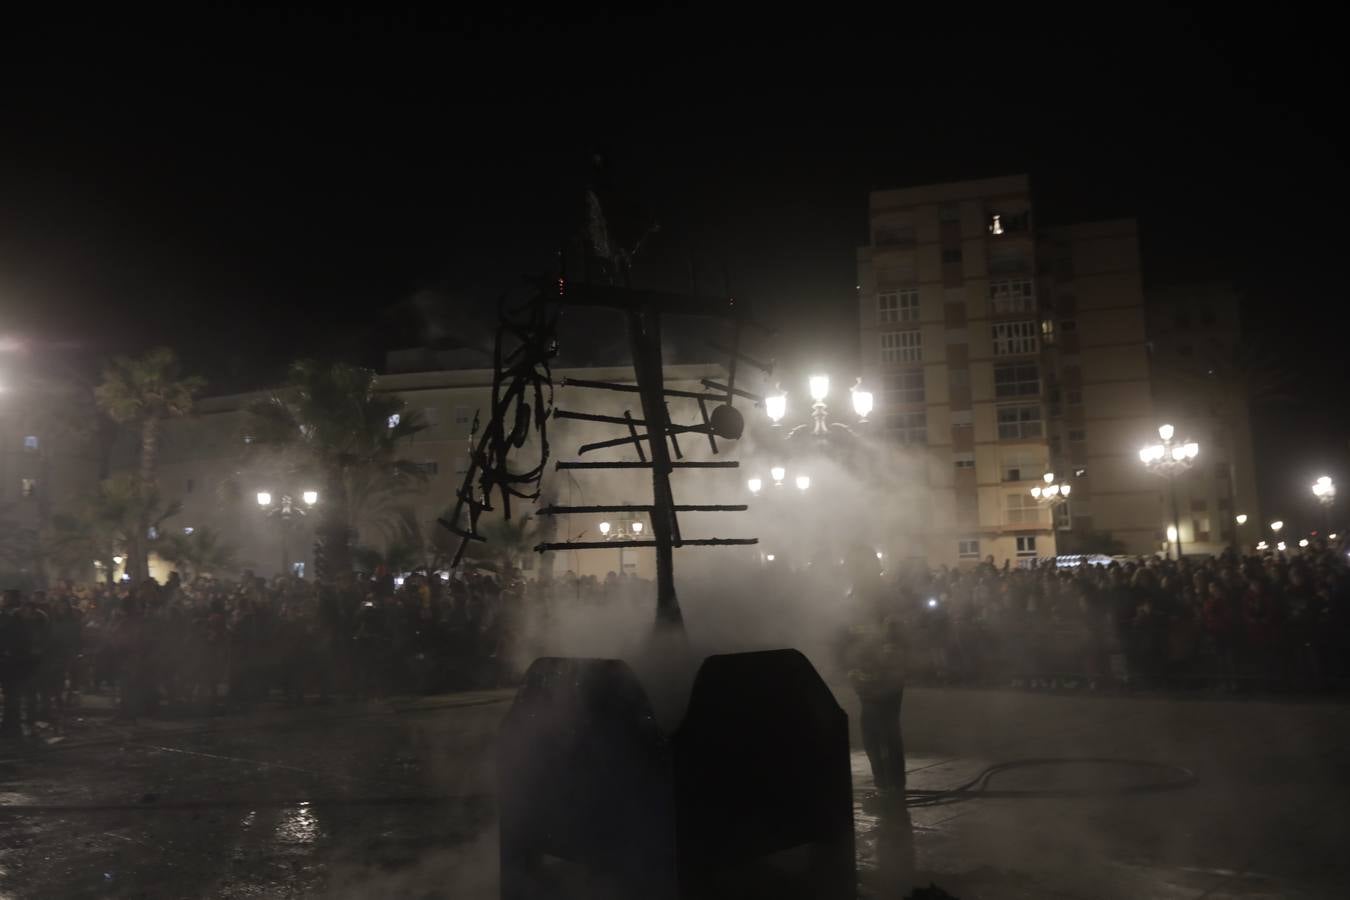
x,y
388,800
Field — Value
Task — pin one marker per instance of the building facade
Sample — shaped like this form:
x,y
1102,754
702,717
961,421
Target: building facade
x,y
1001,351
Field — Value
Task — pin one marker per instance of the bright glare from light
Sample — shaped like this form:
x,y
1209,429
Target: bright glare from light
x,y
819,386
310,497
1151,453
803,482
1179,453
770,557
1240,518
879,554
776,406
755,485
932,602
264,498
637,528
1276,525
188,529
1166,431
1052,490
118,560
445,576
1192,449
1172,533
1065,488
398,581
1262,545
1280,546
862,403
394,420
1303,542
604,528
778,473
1036,492
1331,536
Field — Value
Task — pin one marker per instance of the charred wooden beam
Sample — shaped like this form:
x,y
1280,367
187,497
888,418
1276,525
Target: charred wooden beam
x,y
556,510
610,545
683,464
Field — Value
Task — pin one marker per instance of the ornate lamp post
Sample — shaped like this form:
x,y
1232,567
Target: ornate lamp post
x,y
287,513
1324,489
1170,459
625,532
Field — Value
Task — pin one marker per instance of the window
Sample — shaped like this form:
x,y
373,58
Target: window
x,y
964,460
1011,296
958,378
1014,337
1022,508
1017,380
1021,466
1048,330
1073,398
432,415
1026,545
910,427
1077,435
901,346
898,306
900,388
1201,528
1067,325
951,256
27,486
426,467
968,549
394,420
949,212
1063,521
462,415
30,442
1019,422
894,234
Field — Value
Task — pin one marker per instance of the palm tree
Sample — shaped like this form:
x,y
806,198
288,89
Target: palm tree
x,y
199,552
330,417
112,520
143,392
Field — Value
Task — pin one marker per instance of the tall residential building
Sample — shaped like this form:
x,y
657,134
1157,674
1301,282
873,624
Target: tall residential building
x,y
1203,379
1002,351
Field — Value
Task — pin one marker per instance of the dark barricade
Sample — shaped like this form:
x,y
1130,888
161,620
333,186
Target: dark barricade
x,y
750,797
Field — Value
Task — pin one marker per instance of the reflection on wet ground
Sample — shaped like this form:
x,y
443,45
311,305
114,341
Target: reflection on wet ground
x,y
401,805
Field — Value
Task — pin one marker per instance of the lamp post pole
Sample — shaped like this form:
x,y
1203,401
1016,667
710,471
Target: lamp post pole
x,y
1170,459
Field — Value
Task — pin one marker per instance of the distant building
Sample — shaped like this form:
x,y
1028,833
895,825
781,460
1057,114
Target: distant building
x,y
999,351
1203,379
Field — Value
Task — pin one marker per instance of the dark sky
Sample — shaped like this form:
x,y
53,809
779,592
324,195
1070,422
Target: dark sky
x,y
251,186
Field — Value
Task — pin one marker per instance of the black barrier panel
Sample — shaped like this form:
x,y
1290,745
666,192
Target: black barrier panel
x,y
762,767
752,797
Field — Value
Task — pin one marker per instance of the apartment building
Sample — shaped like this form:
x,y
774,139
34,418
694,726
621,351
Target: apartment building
x,y
1001,351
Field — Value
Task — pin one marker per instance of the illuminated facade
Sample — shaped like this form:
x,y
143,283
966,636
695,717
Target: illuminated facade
x,y
999,351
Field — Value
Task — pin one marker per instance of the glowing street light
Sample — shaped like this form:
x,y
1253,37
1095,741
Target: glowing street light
x,y
1324,489
1303,542
1276,526
776,406
637,528
862,403
1172,533
264,498
777,473
310,497
1240,518
819,385
755,485
1051,493
1262,545
1280,546
803,482
604,529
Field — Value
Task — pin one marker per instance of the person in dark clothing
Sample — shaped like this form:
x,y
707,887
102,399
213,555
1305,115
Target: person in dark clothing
x,y
15,663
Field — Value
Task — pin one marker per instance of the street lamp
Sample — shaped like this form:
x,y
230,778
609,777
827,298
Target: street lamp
x,y
803,482
1052,493
778,473
818,386
1324,489
1240,518
1276,526
287,512
264,498
604,529
755,484
1170,459
310,497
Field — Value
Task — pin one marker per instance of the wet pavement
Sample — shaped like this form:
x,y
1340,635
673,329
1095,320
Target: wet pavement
x,y
395,800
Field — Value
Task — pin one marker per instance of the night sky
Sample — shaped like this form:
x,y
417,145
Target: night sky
x,y
250,187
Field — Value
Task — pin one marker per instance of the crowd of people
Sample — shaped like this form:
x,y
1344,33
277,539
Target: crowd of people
x,y
1228,622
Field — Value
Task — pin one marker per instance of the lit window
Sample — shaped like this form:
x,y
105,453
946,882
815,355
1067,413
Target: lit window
x,y
901,346
27,486
969,549
1022,509
1026,545
1022,466
909,427
394,420
1048,330
30,442
1014,337
1011,296
1019,422
900,388
1017,380
996,224
898,306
